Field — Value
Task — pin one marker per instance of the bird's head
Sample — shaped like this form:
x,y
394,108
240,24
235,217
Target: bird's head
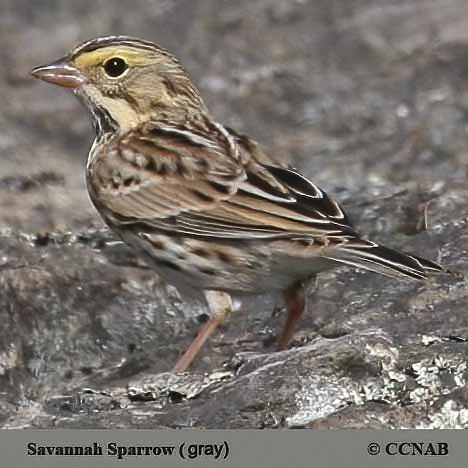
x,y
125,81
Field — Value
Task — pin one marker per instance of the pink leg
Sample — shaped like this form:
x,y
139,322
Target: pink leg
x,y
221,305
294,298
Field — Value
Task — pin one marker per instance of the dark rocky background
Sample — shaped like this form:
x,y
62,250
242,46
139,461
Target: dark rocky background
x,y
369,98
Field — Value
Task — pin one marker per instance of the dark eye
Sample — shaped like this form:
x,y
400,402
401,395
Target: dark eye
x,y
115,66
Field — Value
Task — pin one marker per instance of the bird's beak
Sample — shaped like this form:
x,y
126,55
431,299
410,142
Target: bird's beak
x,y
60,73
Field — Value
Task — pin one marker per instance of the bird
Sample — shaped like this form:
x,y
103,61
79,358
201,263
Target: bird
x,y
208,208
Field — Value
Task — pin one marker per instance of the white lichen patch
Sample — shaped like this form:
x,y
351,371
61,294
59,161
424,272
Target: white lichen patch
x,y
428,382
437,377
451,416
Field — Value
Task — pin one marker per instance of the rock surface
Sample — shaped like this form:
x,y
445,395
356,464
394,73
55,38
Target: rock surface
x,y
368,98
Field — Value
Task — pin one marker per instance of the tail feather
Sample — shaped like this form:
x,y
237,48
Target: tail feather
x,y
386,261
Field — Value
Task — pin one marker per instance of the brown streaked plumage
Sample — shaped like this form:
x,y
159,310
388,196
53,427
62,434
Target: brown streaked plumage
x,y
206,207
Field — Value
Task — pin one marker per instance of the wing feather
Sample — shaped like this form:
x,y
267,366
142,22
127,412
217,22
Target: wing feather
x,y
237,196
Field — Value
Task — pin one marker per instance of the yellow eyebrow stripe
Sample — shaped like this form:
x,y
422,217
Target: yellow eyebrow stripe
x,y
131,56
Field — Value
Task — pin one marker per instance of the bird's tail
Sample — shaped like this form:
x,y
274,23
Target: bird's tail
x,y
389,262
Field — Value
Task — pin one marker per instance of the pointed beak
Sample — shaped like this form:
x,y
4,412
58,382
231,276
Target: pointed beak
x,y
60,73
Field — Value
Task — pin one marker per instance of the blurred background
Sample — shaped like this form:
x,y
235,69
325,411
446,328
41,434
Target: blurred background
x,y
353,93
369,98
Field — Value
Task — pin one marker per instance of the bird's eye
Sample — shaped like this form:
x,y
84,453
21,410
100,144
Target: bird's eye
x,y
115,66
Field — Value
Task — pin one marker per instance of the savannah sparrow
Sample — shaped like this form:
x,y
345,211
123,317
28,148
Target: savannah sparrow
x,y
207,208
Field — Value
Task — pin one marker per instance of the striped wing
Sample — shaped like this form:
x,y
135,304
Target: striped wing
x,y
270,202
186,183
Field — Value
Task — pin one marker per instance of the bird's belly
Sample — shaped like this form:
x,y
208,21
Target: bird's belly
x,y
194,265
